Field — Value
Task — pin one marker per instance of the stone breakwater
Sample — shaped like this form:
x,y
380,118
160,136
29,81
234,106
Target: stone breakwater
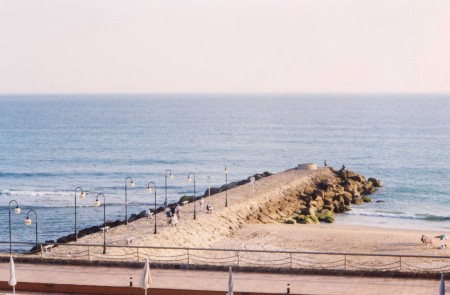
x,y
292,196
327,193
144,214
320,200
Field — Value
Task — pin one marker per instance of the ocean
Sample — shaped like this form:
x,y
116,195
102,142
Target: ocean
x,y
51,144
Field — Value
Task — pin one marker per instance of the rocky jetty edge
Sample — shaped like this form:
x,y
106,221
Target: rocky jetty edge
x,y
321,199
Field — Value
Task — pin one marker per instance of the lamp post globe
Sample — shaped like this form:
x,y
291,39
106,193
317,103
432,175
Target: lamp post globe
x,y
132,184
16,211
226,185
149,190
28,222
189,179
82,196
97,204
167,175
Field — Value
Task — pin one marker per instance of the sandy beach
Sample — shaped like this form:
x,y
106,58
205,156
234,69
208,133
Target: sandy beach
x,y
334,238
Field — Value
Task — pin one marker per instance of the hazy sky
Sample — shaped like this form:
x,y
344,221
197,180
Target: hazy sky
x,y
143,46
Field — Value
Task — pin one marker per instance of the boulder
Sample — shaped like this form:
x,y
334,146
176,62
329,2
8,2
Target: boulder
x,y
319,193
325,216
375,182
346,196
338,189
252,219
290,221
313,204
299,218
312,211
323,185
357,201
358,178
328,194
319,202
308,220
329,207
309,190
262,218
281,213
366,199
328,200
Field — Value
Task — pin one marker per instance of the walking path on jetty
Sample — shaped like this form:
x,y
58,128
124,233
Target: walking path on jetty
x,y
115,280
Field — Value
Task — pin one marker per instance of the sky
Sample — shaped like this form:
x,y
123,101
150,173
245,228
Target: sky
x,y
194,46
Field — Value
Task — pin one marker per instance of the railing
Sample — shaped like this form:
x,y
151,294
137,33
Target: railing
x,y
247,258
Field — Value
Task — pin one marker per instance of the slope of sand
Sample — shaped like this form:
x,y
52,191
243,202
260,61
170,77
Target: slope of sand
x,y
333,238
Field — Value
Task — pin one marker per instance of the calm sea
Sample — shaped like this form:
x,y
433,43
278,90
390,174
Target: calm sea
x,y
49,145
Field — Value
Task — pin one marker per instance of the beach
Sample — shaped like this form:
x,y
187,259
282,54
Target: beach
x,y
334,238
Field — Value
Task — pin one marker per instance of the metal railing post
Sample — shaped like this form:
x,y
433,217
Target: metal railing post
x,y
238,262
188,256
290,259
137,253
345,262
400,263
42,251
89,253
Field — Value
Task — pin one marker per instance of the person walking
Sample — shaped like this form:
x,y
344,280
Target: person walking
x,y
201,203
168,215
178,211
209,208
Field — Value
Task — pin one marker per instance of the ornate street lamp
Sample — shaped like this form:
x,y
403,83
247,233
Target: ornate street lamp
x,y
149,190
97,204
170,176
28,222
126,201
189,179
17,211
226,186
82,196
209,186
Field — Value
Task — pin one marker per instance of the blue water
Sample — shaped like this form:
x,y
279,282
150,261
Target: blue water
x,y
51,144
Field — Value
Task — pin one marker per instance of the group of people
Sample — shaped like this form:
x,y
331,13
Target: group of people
x,y
173,212
209,207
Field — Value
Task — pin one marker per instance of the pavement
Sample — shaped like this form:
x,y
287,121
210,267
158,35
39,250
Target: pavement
x,y
270,283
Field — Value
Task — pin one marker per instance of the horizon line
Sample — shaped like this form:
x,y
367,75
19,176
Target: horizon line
x,y
221,93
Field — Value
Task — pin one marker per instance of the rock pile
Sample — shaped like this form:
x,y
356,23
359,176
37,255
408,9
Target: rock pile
x,y
320,200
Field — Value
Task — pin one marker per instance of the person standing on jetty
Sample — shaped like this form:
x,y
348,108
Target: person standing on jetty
x,y
174,221
201,203
150,213
178,211
168,215
209,208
